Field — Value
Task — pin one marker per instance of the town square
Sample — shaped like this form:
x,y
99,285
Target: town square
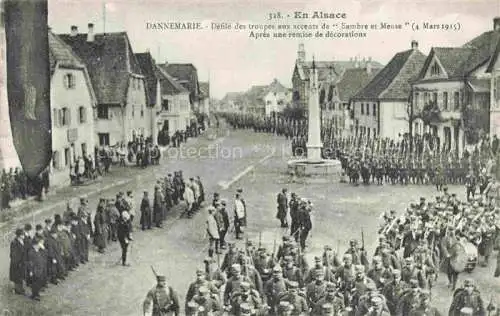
x,y
138,182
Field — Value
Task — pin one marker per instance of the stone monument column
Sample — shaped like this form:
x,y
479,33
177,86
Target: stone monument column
x,y
314,144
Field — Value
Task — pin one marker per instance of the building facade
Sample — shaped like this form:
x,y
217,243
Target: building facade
x,y
381,108
276,98
123,112
72,103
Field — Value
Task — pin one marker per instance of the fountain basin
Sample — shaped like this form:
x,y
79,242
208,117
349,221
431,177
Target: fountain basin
x,y
315,168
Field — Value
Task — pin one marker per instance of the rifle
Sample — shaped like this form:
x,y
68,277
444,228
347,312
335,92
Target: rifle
x,y
362,240
154,272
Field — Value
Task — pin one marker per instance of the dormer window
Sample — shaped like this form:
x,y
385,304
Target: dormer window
x,y
435,69
69,81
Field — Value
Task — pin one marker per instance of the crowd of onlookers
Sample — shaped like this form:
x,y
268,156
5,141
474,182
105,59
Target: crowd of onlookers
x,y
14,185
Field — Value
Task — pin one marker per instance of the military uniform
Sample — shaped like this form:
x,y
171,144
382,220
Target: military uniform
x,y
468,297
161,300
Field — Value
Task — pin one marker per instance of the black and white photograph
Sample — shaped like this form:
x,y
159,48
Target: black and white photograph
x,y
244,157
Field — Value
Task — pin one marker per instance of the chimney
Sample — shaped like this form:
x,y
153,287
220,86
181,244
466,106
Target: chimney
x,y
90,35
414,45
74,30
496,23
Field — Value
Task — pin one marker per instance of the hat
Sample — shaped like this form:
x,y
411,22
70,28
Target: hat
x,y
239,190
38,227
19,232
161,278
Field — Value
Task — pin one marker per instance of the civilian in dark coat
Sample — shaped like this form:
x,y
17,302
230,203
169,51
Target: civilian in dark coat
x,y
17,262
145,212
56,268
158,207
85,239
100,227
35,268
202,190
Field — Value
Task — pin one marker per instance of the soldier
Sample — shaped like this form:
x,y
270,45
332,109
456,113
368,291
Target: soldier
x,y
130,207
358,255
295,299
275,288
425,308
161,300
316,289
333,297
305,223
409,300
448,250
85,232
208,301
231,257
377,307
470,185
285,309
245,301
225,223
145,212
193,309
282,201
291,273
17,261
214,275
234,283
200,282
251,273
112,215
467,297
394,290
84,214
376,273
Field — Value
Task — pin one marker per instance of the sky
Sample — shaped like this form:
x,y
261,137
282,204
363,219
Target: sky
x,y
234,62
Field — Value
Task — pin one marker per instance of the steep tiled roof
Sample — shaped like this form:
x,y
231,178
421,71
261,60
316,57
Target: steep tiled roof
x,y
186,74
353,80
148,69
484,47
110,62
453,59
168,84
276,87
60,52
394,80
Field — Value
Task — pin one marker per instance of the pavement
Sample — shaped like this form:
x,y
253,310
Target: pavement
x,y
237,159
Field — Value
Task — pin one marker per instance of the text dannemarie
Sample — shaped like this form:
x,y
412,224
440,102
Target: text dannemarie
x,y
173,26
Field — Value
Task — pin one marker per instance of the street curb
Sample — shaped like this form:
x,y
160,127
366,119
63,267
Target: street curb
x,y
62,203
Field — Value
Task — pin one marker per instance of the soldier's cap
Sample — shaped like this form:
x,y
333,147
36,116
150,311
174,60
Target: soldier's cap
x,y
245,285
157,187
422,198
293,194
236,267
28,227
19,232
317,259
161,278
293,285
203,290
216,194
327,247
169,175
82,199
38,227
376,300
145,192
239,190
249,243
330,287
276,269
409,259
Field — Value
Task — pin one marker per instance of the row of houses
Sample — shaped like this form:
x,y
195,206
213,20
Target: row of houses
x,y
451,93
104,94
259,99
